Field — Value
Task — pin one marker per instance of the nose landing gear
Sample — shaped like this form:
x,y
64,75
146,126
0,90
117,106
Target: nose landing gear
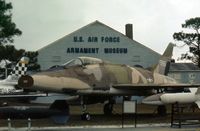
x,y
85,116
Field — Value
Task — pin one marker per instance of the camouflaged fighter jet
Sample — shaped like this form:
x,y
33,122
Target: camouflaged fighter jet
x,y
95,80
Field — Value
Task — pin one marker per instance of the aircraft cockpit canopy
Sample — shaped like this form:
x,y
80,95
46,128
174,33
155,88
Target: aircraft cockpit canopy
x,y
90,60
83,61
73,62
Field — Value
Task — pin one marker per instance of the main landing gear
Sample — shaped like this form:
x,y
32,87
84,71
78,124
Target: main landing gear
x,y
85,116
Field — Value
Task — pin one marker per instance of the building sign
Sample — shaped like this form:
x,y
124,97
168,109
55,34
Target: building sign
x,y
77,50
115,50
129,106
83,50
102,39
95,39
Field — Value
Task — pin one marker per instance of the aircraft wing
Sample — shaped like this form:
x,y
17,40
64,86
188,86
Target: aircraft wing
x,y
153,86
23,95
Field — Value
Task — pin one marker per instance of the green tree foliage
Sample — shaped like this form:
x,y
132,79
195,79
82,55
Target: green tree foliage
x,y
33,65
191,37
7,28
7,31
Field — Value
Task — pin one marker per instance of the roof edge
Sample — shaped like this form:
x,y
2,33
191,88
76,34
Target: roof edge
x,y
96,21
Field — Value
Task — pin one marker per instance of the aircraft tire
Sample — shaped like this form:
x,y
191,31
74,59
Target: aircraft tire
x,y
85,116
162,111
4,104
108,108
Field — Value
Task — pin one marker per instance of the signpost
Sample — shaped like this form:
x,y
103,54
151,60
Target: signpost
x,y
129,107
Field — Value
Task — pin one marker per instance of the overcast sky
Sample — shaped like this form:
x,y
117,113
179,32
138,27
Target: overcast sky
x,y
154,21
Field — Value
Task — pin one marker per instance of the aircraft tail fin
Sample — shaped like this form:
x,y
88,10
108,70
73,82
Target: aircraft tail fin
x,y
198,104
193,90
198,91
164,63
19,70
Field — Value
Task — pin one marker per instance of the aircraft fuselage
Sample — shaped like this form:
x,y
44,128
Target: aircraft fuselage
x,y
96,79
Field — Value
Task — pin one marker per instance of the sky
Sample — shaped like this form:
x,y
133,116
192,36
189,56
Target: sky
x,y
154,21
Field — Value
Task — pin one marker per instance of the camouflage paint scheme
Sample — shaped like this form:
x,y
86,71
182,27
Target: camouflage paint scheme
x,y
92,78
87,75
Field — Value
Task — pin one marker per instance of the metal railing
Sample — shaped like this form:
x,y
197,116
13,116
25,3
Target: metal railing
x,y
10,128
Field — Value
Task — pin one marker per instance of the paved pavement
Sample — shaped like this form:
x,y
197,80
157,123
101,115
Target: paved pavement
x,y
140,127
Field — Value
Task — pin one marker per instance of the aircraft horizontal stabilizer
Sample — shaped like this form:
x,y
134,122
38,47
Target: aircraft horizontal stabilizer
x,y
153,86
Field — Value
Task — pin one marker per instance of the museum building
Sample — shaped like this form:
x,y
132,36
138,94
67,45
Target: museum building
x,y
98,40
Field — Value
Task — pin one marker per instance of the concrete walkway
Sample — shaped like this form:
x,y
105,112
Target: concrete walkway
x,y
140,127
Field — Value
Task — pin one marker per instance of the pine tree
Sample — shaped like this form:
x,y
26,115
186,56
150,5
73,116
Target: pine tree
x,y
191,37
7,28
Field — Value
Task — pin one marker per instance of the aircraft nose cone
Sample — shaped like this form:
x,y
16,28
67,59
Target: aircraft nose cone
x,y
25,81
153,100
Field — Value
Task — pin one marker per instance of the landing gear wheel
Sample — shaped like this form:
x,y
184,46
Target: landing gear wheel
x,y
108,108
85,116
162,111
4,104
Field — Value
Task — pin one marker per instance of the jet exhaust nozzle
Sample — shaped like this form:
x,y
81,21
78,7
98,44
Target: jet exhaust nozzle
x,y
25,81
